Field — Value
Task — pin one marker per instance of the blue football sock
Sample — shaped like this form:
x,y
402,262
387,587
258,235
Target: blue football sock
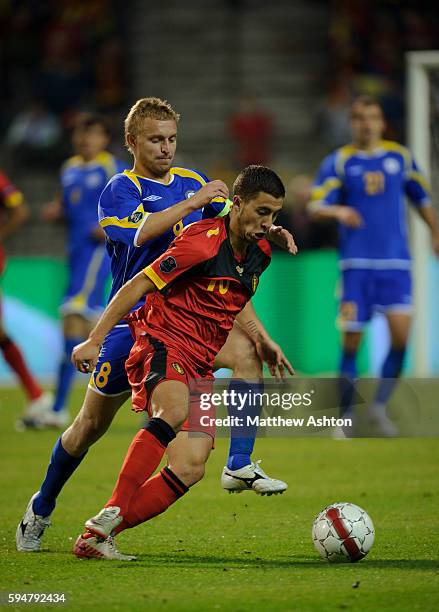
x,y
242,438
61,467
66,373
390,372
348,374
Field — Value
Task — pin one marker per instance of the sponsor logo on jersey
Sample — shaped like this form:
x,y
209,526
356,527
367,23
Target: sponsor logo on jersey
x,y
152,198
135,216
391,165
168,264
239,269
212,232
190,193
178,368
255,281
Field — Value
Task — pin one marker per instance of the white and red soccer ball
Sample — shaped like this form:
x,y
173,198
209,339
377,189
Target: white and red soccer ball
x,y
343,532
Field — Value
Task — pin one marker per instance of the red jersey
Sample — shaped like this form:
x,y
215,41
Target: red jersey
x,y
9,198
202,286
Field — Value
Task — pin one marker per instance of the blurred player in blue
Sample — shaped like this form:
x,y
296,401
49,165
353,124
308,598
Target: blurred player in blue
x,y
83,178
141,212
363,186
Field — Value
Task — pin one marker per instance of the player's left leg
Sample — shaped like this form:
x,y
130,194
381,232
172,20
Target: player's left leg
x,y
187,456
239,355
399,327
76,328
393,296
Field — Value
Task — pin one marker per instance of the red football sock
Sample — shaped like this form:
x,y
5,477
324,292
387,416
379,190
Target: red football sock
x,y
141,461
153,498
14,359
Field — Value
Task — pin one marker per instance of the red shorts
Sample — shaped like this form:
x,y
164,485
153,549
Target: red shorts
x,y
150,363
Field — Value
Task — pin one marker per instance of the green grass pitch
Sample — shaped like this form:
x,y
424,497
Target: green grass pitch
x,y
215,551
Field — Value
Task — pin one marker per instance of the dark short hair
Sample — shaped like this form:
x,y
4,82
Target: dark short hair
x,y
254,179
366,101
90,120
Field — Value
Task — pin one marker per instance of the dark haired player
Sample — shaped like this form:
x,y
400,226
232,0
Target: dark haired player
x,y
141,212
194,296
363,186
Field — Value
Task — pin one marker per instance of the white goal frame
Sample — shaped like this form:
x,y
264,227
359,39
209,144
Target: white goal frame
x,y
418,130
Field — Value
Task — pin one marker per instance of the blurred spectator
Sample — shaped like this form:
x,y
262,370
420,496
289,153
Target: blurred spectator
x,y
34,132
251,131
335,115
307,234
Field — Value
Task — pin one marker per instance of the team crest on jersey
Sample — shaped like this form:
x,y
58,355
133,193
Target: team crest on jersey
x,y
255,281
391,165
168,264
190,193
178,368
135,216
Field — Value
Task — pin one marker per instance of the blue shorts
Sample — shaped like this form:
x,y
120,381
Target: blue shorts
x,y
367,291
89,271
109,377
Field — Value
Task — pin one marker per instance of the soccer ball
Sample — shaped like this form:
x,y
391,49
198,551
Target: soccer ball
x,y
343,532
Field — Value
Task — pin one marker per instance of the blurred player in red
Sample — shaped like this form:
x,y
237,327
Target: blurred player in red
x,y
13,213
194,296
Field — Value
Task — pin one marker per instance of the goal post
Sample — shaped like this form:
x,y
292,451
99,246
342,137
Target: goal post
x,y
419,65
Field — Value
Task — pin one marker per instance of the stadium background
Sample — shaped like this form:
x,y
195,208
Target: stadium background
x,y
293,67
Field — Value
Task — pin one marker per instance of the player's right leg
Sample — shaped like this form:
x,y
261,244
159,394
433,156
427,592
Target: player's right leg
x,y
354,312
106,393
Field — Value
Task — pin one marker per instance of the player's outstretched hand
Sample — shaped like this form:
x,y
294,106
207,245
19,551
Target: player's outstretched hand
x,y
85,356
214,189
270,352
347,215
282,237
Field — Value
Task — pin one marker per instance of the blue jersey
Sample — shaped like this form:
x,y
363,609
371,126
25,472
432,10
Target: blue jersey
x,y
82,184
375,184
124,207
89,265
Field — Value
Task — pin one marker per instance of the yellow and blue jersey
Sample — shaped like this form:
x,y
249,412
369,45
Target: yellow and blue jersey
x,y
89,266
125,205
375,184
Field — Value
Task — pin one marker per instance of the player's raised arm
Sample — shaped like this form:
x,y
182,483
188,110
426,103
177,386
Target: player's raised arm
x,y
159,222
85,355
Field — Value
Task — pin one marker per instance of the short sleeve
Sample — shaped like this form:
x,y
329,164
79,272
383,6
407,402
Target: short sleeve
x,y
121,211
327,188
416,185
182,255
218,207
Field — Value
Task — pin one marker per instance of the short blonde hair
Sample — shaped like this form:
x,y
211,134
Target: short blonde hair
x,y
152,108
